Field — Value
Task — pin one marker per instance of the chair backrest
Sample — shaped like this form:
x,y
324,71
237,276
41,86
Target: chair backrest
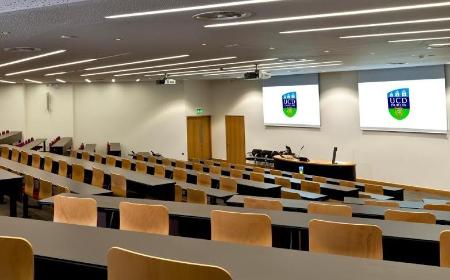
x,y
209,162
284,182
258,169
29,186
179,174
48,164
141,167
225,164
5,152
15,155
73,154
406,216
126,164
45,189
376,189
228,184
98,158
76,211
98,177
111,161
242,228
298,176
437,207
445,248
256,176
204,179
290,195
85,156
355,240
62,168
319,179
140,157
309,186
197,167
329,209
258,203
36,161
196,196
151,159
383,203
239,167
143,267
166,162
118,185
178,194
160,171
77,173
60,190
345,183
16,259
24,157
276,172
144,218
215,170
236,173
180,164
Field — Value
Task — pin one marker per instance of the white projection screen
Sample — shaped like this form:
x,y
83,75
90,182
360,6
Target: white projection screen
x,y
292,101
403,100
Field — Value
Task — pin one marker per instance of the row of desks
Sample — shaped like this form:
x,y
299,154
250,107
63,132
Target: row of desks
x,y
11,137
36,145
62,146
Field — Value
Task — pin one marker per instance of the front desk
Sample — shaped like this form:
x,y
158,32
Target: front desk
x,y
340,170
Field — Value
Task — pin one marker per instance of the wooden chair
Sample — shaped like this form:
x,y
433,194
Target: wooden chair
x,y
98,158
45,189
166,162
197,167
143,267
284,182
383,203
118,185
126,164
36,161
16,259
241,228
204,179
445,248
414,217
308,186
159,171
276,172
111,161
151,159
257,203
28,186
62,168
180,164
179,175
224,164
73,154
239,167
15,155
257,177
78,173
48,164
354,240
298,176
437,207
196,196
178,194
235,173
375,189
141,167
76,211
144,218
348,184
98,177
259,169
24,157
140,157
228,184
329,209
5,152
319,179
60,190
85,156
215,170
364,195
290,195
209,162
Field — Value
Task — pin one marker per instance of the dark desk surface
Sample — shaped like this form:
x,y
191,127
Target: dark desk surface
x,y
307,195
11,137
34,144
216,193
90,245
6,175
63,142
74,186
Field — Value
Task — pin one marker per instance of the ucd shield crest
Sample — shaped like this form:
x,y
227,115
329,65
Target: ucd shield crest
x,y
398,103
290,104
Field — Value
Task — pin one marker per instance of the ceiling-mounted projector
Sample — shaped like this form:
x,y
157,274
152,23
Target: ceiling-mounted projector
x,y
166,81
257,75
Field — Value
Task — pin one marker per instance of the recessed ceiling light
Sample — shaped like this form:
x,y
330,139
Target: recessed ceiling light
x,y
418,39
372,53
55,74
231,45
395,33
367,25
32,81
7,82
52,67
118,39
138,80
61,81
137,62
87,81
271,48
31,58
68,37
326,51
192,8
336,14
113,80
204,44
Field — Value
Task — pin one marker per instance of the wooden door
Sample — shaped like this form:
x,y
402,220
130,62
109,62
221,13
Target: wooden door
x,y
199,137
235,130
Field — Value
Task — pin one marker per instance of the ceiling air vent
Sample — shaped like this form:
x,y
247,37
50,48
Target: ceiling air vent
x,y
22,49
222,15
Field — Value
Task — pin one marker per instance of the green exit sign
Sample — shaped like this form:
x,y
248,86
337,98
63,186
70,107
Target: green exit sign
x,y
199,111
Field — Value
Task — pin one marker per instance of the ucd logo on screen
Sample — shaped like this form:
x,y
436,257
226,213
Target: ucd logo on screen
x,y
290,104
398,102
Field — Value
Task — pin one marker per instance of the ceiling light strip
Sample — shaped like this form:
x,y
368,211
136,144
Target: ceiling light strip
x,y
32,58
32,81
55,74
138,62
419,39
287,68
61,81
7,82
51,67
395,33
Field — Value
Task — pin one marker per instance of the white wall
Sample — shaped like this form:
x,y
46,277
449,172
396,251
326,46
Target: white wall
x,y
12,108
